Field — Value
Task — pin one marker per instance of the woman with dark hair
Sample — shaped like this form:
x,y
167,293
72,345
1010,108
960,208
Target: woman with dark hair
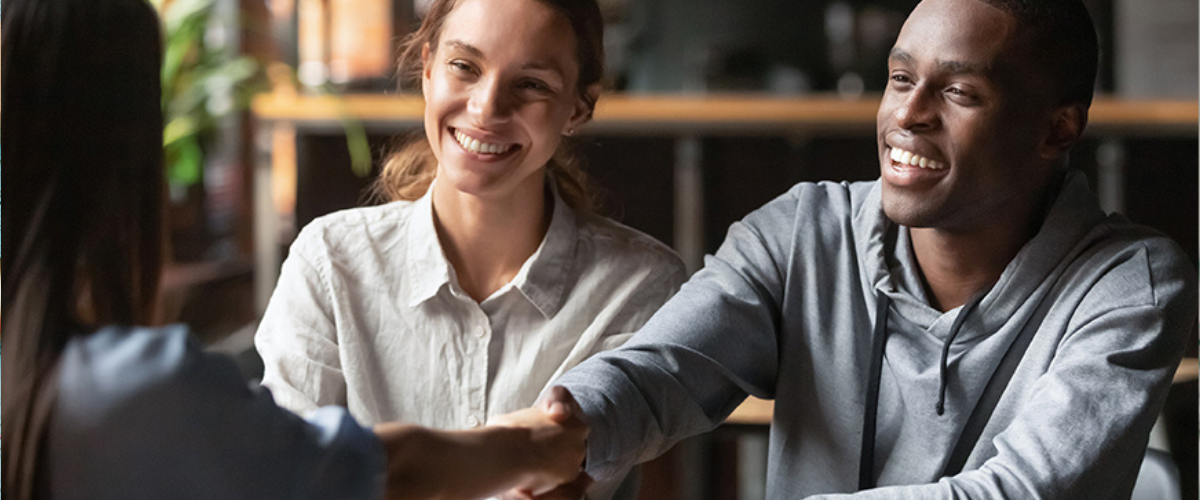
x,y
487,275
99,407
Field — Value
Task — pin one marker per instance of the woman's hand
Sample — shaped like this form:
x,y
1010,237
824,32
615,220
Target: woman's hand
x,y
533,450
557,441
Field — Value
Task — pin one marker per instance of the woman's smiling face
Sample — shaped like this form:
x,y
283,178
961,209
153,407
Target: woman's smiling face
x,y
500,90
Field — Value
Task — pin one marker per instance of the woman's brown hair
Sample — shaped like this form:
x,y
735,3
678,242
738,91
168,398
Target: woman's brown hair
x,y
408,172
82,113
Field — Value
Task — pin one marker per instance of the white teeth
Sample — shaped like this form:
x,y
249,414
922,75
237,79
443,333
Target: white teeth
x,y
475,146
909,158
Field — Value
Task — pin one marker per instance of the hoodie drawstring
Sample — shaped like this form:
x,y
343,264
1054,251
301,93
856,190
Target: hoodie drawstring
x,y
866,457
954,329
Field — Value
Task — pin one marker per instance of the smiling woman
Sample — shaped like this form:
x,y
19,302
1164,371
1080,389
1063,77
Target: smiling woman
x,y
407,174
486,276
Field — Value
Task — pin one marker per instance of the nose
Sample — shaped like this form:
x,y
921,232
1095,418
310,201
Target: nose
x,y
917,110
489,104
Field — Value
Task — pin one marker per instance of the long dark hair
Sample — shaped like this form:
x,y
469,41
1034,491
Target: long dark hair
x,y
82,113
408,172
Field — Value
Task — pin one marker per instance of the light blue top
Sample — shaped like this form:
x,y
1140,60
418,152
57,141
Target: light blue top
x,y
144,413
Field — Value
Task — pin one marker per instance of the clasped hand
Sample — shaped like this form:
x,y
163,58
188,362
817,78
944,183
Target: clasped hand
x,y
557,446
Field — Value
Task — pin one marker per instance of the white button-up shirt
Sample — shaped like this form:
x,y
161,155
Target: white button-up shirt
x,y
368,314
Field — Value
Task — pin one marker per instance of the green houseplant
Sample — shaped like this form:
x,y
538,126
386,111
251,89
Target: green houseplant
x,y
204,80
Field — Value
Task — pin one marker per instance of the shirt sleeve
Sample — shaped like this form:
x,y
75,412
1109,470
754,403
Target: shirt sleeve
x,y
668,274
1081,430
691,365
297,337
153,416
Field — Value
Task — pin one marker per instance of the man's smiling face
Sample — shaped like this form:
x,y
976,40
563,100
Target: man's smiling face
x,y
960,123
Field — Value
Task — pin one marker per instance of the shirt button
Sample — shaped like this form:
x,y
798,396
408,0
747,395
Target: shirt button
x,y
472,421
480,332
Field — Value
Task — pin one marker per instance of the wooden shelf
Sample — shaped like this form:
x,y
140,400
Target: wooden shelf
x,y
712,114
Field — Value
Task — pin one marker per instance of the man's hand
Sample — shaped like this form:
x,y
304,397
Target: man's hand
x,y
557,441
573,490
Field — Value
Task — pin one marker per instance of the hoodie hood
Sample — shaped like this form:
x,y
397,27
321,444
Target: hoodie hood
x,y
1072,215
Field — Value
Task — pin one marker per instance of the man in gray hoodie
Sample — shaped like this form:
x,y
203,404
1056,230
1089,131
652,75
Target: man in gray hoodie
x,y
971,325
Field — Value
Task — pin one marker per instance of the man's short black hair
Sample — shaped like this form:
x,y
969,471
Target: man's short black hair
x,y
1062,37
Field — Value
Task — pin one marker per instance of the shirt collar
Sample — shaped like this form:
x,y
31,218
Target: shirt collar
x,y
543,279
427,269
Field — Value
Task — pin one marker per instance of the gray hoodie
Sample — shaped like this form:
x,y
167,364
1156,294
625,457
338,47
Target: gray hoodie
x,y
787,310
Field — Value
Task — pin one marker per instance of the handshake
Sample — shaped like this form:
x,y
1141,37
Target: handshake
x,y
536,453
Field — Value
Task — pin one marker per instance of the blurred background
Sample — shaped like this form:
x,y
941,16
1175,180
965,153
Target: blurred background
x,y
280,110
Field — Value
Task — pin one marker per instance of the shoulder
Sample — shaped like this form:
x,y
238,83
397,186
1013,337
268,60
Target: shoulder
x,y
130,374
352,230
618,247
116,366
118,359
812,201
1135,265
151,400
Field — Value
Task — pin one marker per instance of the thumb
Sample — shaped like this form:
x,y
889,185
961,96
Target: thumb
x,y
559,404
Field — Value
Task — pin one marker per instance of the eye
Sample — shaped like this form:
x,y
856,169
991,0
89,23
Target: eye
x,y
900,80
961,95
460,67
535,86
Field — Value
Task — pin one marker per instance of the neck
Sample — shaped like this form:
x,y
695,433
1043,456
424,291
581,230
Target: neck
x,y
487,240
957,264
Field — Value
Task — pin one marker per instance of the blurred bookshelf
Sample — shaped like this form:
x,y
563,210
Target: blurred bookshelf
x,y
684,120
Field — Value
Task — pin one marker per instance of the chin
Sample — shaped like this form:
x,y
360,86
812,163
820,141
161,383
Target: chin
x,y
907,212
472,184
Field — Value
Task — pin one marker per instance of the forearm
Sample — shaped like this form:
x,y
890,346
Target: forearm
x,y
427,464
529,450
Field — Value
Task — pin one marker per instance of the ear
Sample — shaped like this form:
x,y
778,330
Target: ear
x,y
1066,126
426,70
582,113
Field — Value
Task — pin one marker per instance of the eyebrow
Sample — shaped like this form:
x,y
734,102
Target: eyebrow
x,y
952,67
465,47
475,52
539,66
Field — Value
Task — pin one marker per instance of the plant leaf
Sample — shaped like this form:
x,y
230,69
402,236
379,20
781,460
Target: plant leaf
x,y
189,160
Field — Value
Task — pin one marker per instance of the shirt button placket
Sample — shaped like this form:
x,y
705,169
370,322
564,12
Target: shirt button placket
x,y
478,393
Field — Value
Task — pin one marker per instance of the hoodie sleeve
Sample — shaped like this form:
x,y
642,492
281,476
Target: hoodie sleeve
x,y
1081,430
691,365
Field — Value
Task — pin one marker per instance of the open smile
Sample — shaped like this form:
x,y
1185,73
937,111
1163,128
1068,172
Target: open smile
x,y
901,157
474,145
908,169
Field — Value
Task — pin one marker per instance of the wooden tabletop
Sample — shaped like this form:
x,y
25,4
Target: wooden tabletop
x,y
754,411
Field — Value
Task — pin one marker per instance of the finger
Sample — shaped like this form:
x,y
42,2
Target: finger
x,y
559,411
518,494
559,404
573,490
